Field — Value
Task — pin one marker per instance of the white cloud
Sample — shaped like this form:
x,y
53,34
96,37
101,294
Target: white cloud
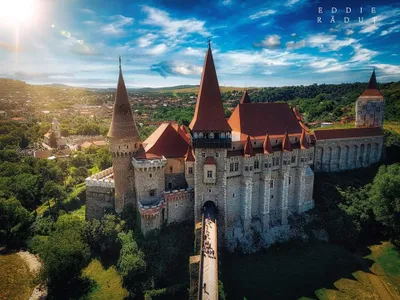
x,y
327,65
293,34
157,50
186,69
390,30
87,11
271,41
362,54
146,40
292,2
173,28
261,14
295,45
388,69
329,42
226,2
349,32
116,27
189,51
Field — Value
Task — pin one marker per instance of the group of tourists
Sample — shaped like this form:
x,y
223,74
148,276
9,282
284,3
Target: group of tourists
x,y
207,249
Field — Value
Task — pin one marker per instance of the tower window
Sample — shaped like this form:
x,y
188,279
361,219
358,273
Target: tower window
x,y
236,166
256,164
209,174
171,169
150,175
293,159
271,184
231,166
246,168
290,180
203,154
216,154
170,185
190,170
152,192
233,195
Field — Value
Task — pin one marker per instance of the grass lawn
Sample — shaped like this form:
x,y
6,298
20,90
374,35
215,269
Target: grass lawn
x,y
15,280
310,271
80,212
108,284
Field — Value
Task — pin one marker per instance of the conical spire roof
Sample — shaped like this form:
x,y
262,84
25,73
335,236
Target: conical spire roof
x,y
248,148
286,146
209,113
245,98
189,154
372,87
304,144
122,124
267,145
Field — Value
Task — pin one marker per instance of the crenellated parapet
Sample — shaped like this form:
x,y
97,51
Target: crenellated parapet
x,y
149,164
150,212
104,178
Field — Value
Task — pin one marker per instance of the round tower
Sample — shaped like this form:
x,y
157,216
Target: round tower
x,y
124,142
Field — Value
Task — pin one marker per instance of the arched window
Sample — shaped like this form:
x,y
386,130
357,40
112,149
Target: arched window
x,y
201,135
211,135
222,136
195,135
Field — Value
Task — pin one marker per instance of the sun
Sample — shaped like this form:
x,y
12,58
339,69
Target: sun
x,y
17,12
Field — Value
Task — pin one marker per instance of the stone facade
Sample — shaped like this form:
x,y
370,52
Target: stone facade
x,y
370,111
334,155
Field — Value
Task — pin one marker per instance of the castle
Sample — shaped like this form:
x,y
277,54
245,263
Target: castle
x,y
257,167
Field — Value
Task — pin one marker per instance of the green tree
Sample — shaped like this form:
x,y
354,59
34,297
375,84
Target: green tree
x,y
15,221
385,195
65,254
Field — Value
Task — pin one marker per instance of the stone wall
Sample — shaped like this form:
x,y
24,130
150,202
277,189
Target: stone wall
x,y
175,181
370,111
99,200
180,204
150,184
335,155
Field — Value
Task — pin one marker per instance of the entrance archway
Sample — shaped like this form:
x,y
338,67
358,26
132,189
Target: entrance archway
x,y
210,210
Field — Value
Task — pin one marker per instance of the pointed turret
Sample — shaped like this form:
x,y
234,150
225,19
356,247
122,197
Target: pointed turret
x,y
286,146
372,87
189,154
248,148
209,113
245,98
267,145
304,144
122,125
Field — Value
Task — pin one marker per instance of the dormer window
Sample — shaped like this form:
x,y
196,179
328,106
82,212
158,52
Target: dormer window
x,y
222,136
195,135
211,135
209,174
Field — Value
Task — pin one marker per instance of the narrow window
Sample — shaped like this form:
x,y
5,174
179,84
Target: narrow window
x,y
290,180
152,192
171,169
203,154
151,175
209,174
231,167
256,164
190,171
170,185
293,159
246,168
236,166
216,154
271,184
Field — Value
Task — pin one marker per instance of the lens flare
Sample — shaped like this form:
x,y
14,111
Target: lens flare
x,y
17,12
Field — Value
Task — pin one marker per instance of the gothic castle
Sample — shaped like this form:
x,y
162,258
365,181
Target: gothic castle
x,y
257,167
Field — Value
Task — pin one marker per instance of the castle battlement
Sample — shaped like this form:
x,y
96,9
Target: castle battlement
x,y
151,211
149,164
104,178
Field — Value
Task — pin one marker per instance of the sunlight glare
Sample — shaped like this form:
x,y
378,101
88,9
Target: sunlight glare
x,y
17,12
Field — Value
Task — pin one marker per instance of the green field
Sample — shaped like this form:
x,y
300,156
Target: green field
x,y
16,282
312,271
107,282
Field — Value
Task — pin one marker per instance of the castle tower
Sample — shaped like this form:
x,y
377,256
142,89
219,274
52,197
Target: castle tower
x,y
55,127
124,142
211,137
370,106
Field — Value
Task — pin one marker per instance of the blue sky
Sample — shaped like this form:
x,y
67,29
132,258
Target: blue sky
x,y
163,43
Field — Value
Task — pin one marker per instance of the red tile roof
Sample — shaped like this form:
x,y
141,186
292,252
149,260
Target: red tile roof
x,y
189,154
252,119
304,144
267,146
209,113
297,114
122,124
210,161
286,146
166,141
372,88
248,148
245,98
347,133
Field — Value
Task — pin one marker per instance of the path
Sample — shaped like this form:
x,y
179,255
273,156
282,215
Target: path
x,y
34,265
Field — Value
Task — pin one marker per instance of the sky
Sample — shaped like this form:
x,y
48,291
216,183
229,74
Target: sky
x,y
163,43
